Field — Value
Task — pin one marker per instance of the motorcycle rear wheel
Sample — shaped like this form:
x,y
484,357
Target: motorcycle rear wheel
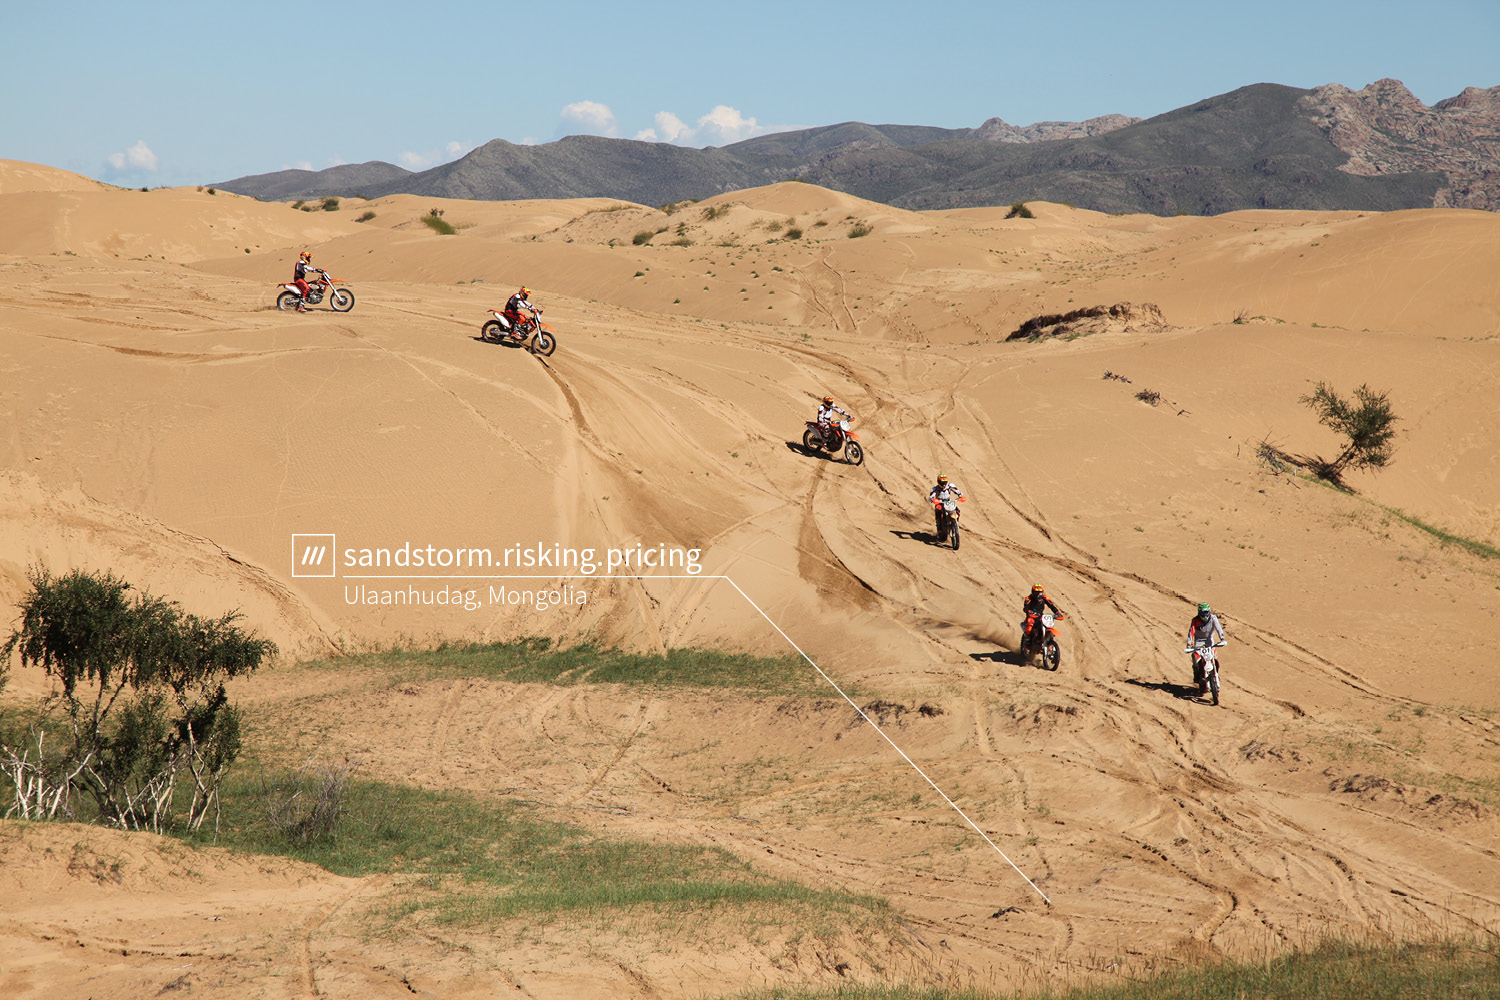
x,y
341,299
544,344
287,301
491,331
812,440
1051,655
953,534
855,455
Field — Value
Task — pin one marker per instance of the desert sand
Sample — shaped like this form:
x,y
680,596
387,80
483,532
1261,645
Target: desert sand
x,y
164,421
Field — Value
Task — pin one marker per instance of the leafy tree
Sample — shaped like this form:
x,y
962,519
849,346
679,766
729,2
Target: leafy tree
x,y
1366,421
142,701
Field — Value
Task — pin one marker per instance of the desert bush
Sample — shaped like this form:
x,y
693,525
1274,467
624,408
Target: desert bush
x,y
1241,317
212,191
365,216
859,229
330,205
774,225
437,224
298,204
1366,422
643,237
715,212
794,233
682,241
1018,210
306,807
1149,396
142,704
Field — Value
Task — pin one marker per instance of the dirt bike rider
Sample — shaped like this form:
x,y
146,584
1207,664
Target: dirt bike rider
x,y
299,278
942,492
1033,605
511,316
1203,628
825,420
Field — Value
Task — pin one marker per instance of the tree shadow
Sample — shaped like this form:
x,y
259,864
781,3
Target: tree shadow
x,y
1278,460
1183,691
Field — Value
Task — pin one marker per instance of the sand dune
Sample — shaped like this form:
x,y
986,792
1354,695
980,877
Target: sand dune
x,y
166,422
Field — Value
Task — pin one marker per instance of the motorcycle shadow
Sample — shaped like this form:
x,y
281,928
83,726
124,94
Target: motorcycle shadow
x,y
1010,657
928,537
806,452
1188,692
502,342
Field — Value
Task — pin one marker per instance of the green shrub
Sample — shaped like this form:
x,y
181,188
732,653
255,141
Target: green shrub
x,y
859,229
794,233
437,224
1018,210
643,237
1367,423
715,212
365,217
330,204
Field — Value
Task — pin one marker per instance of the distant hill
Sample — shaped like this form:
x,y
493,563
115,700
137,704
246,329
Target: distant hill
x,y
1262,146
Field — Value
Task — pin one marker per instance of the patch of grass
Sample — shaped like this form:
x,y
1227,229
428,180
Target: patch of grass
x,y
330,205
677,206
859,229
298,204
438,224
715,212
491,859
365,216
643,237
682,241
608,208
794,233
537,660
1329,971
1018,210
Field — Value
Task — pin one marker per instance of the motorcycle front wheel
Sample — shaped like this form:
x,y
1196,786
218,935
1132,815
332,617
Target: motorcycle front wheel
x,y
855,455
341,299
287,300
1051,655
544,344
812,440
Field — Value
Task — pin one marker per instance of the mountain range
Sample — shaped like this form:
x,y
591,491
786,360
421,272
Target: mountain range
x,y
1261,146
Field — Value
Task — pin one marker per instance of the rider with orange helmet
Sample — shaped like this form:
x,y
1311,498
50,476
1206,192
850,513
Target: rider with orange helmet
x,y
511,316
299,278
944,490
826,410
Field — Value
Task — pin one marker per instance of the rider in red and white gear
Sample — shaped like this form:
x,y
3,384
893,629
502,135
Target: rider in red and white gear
x,y
299,278
1032,606
825,421
1204,627
511,315
943,491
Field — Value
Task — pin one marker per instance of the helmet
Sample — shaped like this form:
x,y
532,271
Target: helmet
x,y
942,480
525,291
306,256
1037,588
1204,609
827,400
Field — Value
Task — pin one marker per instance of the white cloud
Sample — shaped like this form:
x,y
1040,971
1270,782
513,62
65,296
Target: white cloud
x,y
719,127
591,117
727,124
137,157
672,128
432,157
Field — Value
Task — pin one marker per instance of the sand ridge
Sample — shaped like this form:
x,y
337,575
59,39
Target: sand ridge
x,y
168,423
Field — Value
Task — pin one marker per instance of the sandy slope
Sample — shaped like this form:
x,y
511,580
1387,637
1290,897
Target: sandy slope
x,y
164,422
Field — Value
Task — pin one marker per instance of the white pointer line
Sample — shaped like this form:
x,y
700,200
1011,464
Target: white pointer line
x,y
685,576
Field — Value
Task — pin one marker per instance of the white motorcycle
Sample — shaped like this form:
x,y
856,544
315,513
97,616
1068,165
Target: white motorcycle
x,y
1204,650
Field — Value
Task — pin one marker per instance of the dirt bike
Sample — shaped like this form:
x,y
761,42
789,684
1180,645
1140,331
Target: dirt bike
x,y
1204,650
341,299
842,439
946,514
529,331
1038,635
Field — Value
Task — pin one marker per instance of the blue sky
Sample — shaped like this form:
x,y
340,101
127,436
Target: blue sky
x,y
166,93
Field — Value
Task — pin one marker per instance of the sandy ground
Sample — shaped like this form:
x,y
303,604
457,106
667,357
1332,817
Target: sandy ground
x,y
163,421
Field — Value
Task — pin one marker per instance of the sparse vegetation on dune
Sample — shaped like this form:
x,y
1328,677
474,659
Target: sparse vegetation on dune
x,y
539,660
435,221
1335,970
